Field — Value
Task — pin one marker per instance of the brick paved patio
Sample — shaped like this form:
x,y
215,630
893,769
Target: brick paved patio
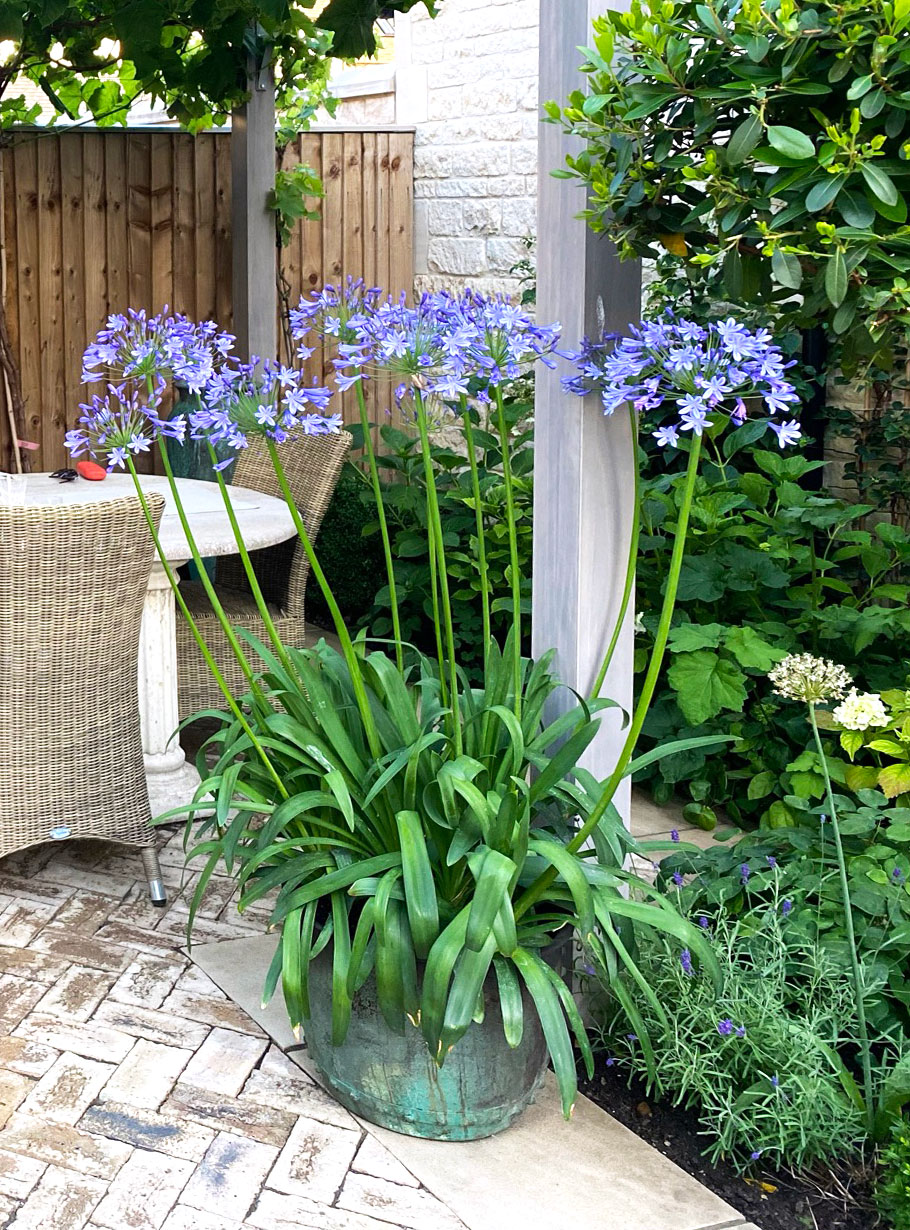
x,y
135,1096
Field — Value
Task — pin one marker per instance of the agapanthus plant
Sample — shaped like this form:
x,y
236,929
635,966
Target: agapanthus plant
x,y
408,816
122,423
135,346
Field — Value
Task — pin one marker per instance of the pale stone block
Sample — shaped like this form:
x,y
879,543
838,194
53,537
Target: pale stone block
x,y
456,256
77,994
148,980
487,158
314,1161
519,217
404,1206
63,1200
229,1177
445,218
443,104
173,1135
153,1024
147,1075
19,1174
62,1145
143,1193
482,217
434,162
523,157
67,1089
503,254
224,1061
93,1039
493,97
376,1160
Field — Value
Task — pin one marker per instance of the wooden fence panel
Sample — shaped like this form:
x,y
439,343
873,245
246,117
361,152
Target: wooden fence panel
x,y
98,221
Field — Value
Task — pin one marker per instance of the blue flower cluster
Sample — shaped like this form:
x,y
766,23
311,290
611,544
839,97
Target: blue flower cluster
x,y
140,354
700,371
135,346
122,423
446,345
260,399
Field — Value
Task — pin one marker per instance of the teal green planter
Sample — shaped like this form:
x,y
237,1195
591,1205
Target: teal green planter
x,y
390,1079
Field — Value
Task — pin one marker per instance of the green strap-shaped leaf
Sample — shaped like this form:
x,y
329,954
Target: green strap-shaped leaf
x,y
419,882
362,935
510,1004
436,976
570,1008
341,964
571,871
467,985
493,880
553,1023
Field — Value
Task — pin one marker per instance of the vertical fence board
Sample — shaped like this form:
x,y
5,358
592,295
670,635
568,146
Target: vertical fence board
x,y
96,222
10,285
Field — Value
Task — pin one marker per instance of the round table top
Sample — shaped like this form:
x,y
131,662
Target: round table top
x,y
263,519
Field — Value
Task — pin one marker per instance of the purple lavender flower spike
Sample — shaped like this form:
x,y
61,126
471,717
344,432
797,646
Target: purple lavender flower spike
x,y
674,834
786,906
685,960
744,872
677,879
725,1027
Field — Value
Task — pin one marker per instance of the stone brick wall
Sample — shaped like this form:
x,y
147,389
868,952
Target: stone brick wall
x,y
467,83
475,160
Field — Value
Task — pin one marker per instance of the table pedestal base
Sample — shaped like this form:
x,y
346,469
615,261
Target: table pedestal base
x,y
171,780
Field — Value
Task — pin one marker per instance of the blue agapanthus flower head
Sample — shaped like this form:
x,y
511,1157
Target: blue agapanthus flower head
x,y
122,423
702,373
136,346
446,346
245,400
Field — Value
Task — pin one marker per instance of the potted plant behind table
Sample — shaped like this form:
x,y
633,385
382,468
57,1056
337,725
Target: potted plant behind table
x,y
427,842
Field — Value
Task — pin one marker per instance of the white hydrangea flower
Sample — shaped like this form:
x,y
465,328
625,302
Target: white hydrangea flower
x,y
860,710
801,676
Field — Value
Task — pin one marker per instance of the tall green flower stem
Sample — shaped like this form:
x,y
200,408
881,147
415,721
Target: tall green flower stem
x,y
512,530
347,645
383,524
255,588
856,972
481,534
213,666
210,591
437,545
536,890
634,536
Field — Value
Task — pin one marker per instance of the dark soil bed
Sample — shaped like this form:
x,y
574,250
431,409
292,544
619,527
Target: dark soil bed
x,y
826,1201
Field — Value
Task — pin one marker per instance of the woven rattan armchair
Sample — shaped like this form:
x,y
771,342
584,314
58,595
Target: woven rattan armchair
x,y
312,466
72,585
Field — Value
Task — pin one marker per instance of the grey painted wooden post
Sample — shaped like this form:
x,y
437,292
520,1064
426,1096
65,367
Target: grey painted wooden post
x,y
255,297
583,461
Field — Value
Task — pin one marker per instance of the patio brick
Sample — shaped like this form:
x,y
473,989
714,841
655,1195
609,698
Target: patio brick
x,y
146,1129
276,1211
153,1024
62,1200
21,922
224,1061
57,1143
143,1193
314,1161
59,871
375,1159
67,1089
183,1217
77,994
92,1039
280,1083
29,963
259,1123
83,950
19,1174
229,1177
406,1206
17,998
85,912
147,981
197,998
13,1090
147,1075
140,939
25,1056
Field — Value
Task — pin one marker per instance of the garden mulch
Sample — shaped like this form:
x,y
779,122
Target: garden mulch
x,y
772,1200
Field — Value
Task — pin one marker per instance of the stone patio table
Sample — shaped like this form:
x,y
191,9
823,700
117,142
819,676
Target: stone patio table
x,y
263,520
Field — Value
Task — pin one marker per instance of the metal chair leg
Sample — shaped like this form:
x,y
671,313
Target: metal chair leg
x,y
153,875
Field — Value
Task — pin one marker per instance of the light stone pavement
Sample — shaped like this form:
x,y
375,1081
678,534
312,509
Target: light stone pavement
x,y
135,1096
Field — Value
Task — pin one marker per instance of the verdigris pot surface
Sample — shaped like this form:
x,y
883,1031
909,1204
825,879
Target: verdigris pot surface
x,y
390,1079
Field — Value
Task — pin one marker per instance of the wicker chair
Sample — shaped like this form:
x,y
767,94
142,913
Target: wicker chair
x,y
72,585
312,466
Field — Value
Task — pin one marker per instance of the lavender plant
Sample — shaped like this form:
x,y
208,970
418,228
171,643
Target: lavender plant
x,y
429,830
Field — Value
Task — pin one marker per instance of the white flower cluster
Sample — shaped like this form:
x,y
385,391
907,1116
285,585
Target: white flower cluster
x,y
860,710
800,676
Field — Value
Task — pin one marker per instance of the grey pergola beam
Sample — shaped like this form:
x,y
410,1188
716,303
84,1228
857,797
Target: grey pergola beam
x,y
255,296
583,462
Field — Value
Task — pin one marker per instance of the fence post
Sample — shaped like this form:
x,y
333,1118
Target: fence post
x,y
255,295
583,462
